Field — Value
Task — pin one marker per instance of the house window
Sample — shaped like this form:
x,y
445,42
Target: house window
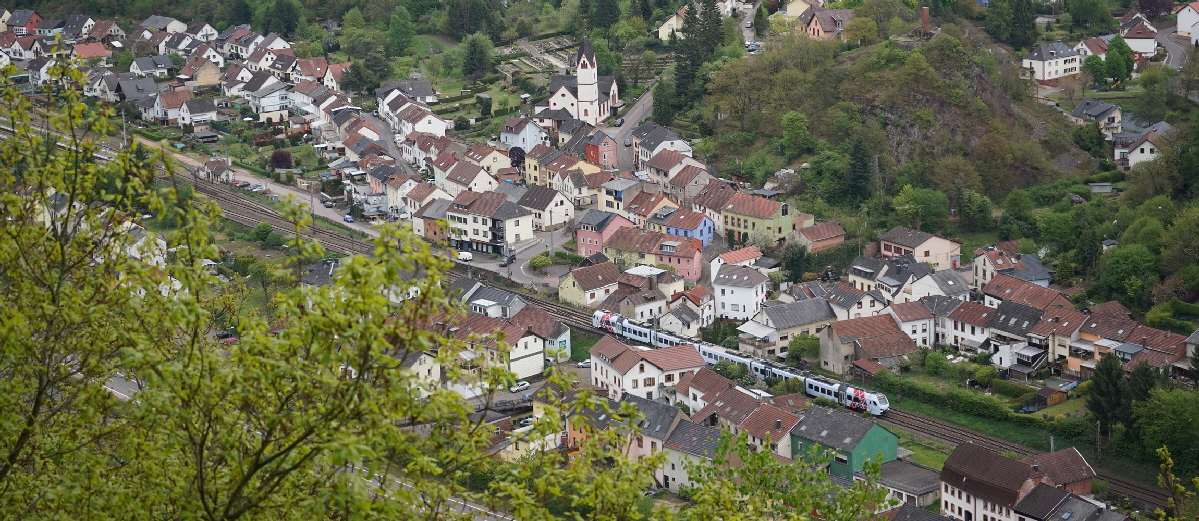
x,y
649,382
669,378
640,443
859,305
634,383
926,253
642,368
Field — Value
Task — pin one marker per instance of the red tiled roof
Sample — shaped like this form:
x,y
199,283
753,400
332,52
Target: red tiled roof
x,y
597,179
1064,321
972,313
90,50
686,219
1010,288
1113,308
986,474
866,327
890,344
686,175
665,160
714,195
731,404
703,382
870,366
742,255
909,311
421,191
315,67
445,161
1064,466
596,276
821,231
1156,359
536,318
624,358
794,402
695,295
645,203
752,206
769,422
173,99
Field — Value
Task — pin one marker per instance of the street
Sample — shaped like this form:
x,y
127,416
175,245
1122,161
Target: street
x,y
632,118
1176,53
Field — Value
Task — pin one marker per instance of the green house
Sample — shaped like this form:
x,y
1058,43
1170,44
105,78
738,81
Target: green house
x,y
849,440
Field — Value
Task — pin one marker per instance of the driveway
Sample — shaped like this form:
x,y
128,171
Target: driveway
x,y
1176,52
747,14
640,109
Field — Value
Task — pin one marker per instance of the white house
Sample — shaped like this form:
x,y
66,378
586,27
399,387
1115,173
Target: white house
x,y
915,320
967,326
152,66
1135,148
739,291
197,111
689,445
651,138
550,207
466,176
167,105
617,368
201,31
521,132
948,283
1050,61
270,98
1187,17
525,353
744,257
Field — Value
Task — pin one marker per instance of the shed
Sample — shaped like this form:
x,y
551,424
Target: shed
x,y
1049,396
1100,188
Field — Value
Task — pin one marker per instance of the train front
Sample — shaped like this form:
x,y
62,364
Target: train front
x,y
883,404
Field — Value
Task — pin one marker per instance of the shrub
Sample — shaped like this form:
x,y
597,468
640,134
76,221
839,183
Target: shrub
x,y
562,257
935,363
1010,389
1025,420
541,261
826,402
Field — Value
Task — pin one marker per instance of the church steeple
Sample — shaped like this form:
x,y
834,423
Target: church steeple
x,y
588,79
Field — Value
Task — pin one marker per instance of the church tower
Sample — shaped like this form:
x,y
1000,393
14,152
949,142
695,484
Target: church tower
x,y
588,79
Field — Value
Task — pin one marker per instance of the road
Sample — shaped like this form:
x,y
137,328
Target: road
x,y
639,110
1176,53
747,14
389,139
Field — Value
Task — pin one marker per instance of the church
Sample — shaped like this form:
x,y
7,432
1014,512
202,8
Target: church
x,y
586,96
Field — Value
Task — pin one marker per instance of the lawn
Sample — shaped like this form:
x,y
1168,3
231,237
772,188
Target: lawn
x,y
1027,436
975,240
422,45
580,345
1066,407
928,453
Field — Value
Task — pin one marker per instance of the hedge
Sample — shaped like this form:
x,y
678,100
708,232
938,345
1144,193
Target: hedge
x,y
153,136
252,168
1010,389
513,56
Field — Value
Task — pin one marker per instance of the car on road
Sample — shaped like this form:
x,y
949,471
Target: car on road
x,y
584,363
509,260
619,122
328,203
466,256
628,142
348,218
520,386
749,23
224,333
240,184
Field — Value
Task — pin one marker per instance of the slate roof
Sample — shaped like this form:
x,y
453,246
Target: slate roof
x,y
799,313
654,135
1041,501
911,512
20,17
951,282
571,82
1092,109
1015,319
499,296
739,276
321,273
986,474
833,428
905,237
844,296
539,197
200,105
597,218
1050,51
658,418
752,206
685,314
596,276
139,88
694,439
157,22
512,191
154,62
73,27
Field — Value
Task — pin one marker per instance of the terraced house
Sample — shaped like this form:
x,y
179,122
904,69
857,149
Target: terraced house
x,y
745,216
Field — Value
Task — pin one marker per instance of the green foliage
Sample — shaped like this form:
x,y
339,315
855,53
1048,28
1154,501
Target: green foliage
x,y
802,346
1108,393
986,374
1129,269
1090,138
541,261
826,402
975,210
1151,105
796,137
283,17
1119,60
478,55
1094,66
921,207
935,363
1166,420
400,32
663,110
1010,389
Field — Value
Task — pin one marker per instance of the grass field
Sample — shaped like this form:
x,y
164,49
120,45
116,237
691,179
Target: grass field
x,y
1030,437
580,345
928,453
1068,406
422,45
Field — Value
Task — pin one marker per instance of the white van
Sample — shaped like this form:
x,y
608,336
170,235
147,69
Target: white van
x,y
465,256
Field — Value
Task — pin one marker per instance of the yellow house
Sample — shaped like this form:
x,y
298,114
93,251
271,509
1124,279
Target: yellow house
x,y
674,24
534,171
745,216
491,159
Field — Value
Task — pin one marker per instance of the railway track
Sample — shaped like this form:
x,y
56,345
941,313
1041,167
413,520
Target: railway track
x,y
1142,495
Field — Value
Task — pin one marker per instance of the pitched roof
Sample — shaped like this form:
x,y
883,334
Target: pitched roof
x,y
157,22
160,61
770,422
740,276
644,203
906,237
703,382
986,474
752,206
434,209
645,241
844,296
951,282
911,512
1008,288
1041,501
742,255
173,99
1064,466
715,195
865,327
694,439
836,429
1113,308
539,321
624,358
1063,321
1141,30
1050,51
799,313
686,175
825,230
665,160
887,345
1092,109
463,173
539,197
596,276
909,311
90,50
1014,318
200,105
597,218
973,313
732,404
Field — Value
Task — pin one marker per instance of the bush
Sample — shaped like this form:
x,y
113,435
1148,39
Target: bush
x,y
935,363
826,402
540,261
1010,389
562,257
1027,420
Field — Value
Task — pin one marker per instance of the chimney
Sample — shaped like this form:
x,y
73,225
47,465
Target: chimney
x,y
924,17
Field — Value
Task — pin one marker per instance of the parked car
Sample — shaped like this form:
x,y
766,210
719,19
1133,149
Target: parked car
x,y
466,256
584,363
619,122
348,218
527,421
509,260
749,23
520,386
224,333
328,203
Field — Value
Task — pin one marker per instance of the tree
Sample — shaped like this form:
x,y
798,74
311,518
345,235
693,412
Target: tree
x,y
1091,14
607,13
483,101
762,21
280,159
1119,61
1150,106
360,78
1167,420
1091,139
975,211
802,346
1108,394
985,374
239,12
1018,205
917,206
1094,66
935,363
353,19
796,136
859,184
1125,268
1182,243
999,20
283,17
1024,24
647,10
478,56
123,60
662,111
1142,381
862,31
400,32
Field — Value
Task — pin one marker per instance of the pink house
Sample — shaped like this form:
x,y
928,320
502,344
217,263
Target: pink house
x,y
594,229
601,150
634,246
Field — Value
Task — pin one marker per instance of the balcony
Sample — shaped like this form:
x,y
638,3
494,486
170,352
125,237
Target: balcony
x,y
753,342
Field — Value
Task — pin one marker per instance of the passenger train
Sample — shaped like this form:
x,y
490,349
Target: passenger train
x,y
849,396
